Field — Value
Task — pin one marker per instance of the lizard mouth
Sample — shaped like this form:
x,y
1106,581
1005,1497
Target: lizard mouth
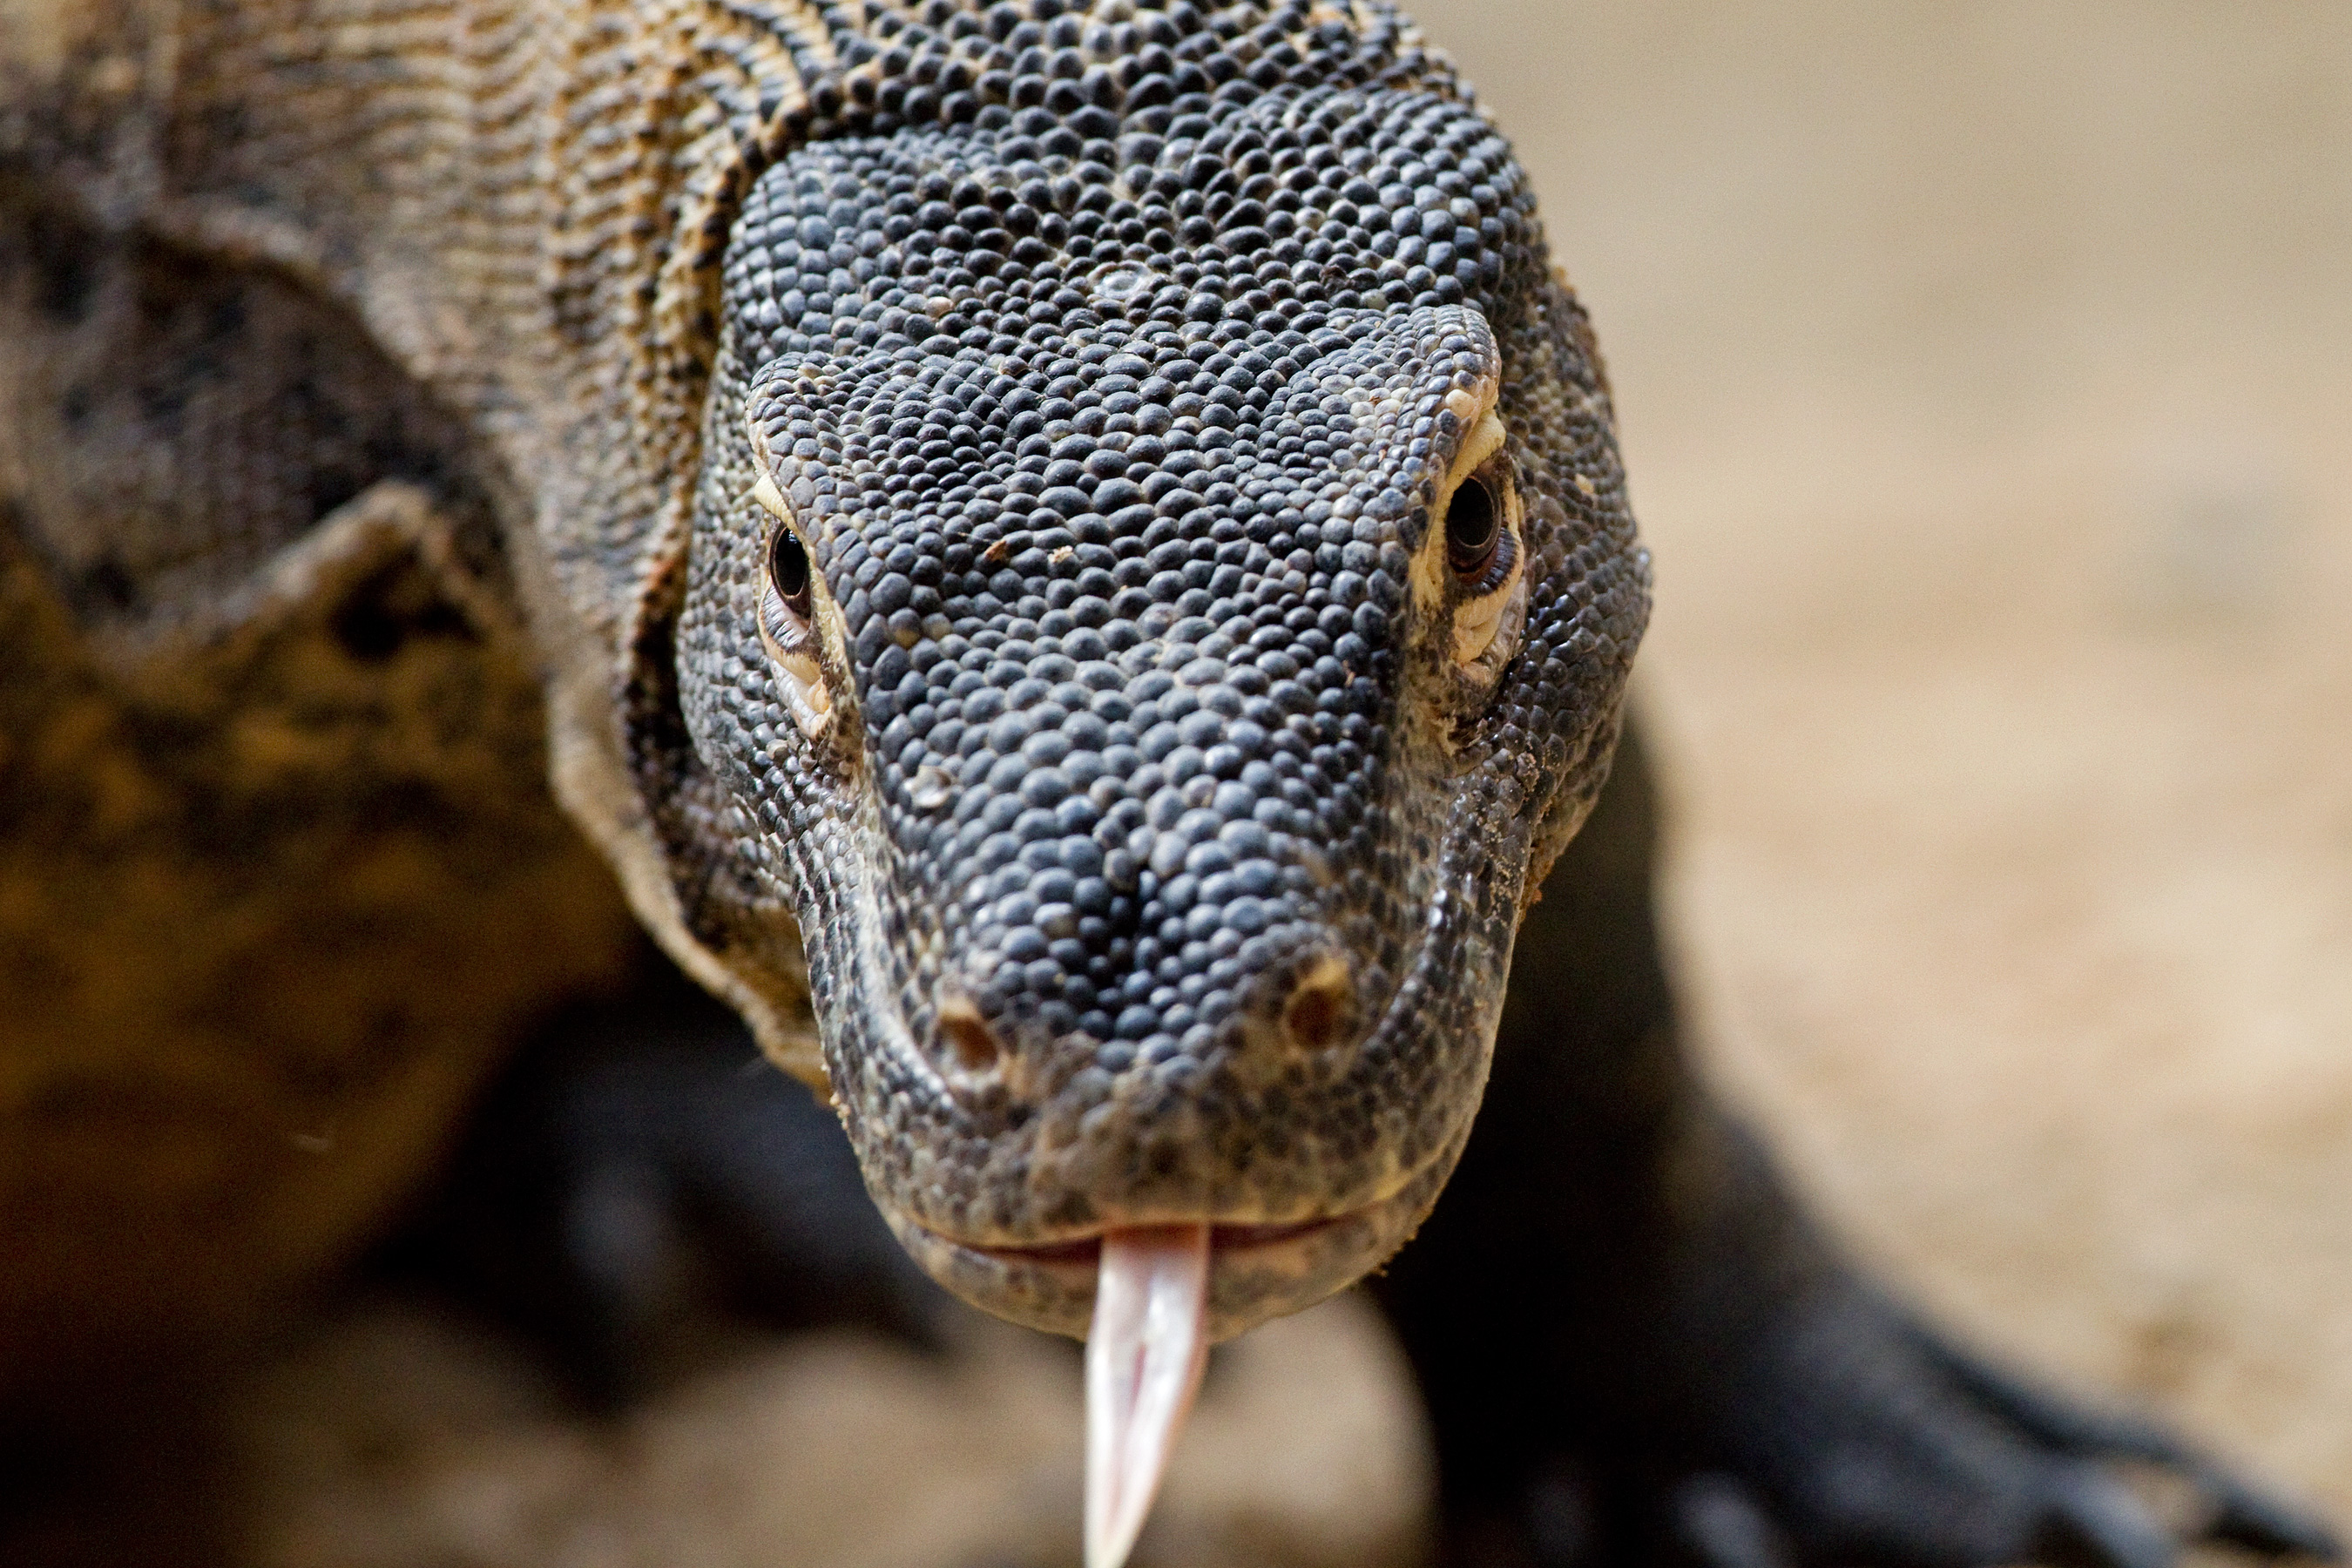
x,y
1085,1252
1256,1271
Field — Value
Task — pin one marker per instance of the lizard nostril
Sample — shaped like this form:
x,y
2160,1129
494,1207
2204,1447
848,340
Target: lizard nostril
x,y
1321,1007
971,1045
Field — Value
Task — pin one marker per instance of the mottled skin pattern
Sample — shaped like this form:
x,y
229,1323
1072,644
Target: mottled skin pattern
x,y
1079,573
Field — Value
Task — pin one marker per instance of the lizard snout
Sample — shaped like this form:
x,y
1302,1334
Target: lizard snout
x,y
1302,1008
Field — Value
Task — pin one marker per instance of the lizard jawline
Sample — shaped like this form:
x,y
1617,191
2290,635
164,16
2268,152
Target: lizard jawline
x,y
1257,1272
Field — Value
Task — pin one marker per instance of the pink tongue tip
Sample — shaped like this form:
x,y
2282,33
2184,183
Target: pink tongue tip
x,y
1144,1355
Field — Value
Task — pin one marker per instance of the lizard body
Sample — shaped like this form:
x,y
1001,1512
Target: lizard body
x,y
1071,560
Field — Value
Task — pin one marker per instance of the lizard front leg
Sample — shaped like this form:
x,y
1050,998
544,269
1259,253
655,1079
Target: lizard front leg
x,y
638,1171
1635,1345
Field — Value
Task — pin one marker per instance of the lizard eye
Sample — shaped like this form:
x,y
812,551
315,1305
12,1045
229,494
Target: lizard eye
x,y
1474,527
1483,550
788,573
1482,547
1469,572
788,630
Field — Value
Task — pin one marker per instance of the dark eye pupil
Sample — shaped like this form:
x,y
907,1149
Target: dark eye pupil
x,y
788,569
1473,525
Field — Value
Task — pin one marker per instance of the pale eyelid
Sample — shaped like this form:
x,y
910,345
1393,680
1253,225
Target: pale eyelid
x,y
1477,623
805,689
1485,439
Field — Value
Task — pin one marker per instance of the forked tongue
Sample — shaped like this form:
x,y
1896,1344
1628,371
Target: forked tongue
x,y
1144,1356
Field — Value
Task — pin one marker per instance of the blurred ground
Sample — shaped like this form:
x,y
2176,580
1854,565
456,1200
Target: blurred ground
x,y
401,1437
1986,381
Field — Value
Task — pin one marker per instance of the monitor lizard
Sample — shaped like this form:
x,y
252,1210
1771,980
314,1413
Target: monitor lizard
x,y
1072,559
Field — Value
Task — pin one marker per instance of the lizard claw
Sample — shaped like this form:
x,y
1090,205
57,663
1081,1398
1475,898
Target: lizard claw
x,y
2245,1518
1719,1525
2236,1513
2094,1519
1145,1354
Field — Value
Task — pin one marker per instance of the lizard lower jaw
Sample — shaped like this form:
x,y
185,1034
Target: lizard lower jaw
x,y
1256,1271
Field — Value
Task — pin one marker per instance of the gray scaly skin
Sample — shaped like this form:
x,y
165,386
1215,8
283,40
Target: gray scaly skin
x,y
1080,576
1143,730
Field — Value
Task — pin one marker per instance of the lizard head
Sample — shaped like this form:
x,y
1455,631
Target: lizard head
x,y
1153,607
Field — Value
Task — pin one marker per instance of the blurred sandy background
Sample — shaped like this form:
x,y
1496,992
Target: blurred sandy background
x,y
1986,380
1986,384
